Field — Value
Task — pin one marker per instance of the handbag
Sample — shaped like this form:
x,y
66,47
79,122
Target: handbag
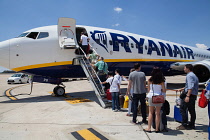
x,y
202,101
157,99
183,94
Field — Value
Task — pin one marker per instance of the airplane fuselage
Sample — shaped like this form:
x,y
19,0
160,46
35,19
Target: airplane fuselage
x,y
42,55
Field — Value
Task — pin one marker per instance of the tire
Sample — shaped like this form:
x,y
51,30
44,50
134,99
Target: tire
x,y
59,91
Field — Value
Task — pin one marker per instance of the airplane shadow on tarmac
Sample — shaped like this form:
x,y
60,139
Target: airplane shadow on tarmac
x,y
48,98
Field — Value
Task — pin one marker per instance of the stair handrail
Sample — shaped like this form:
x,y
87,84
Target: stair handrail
x,y
93,78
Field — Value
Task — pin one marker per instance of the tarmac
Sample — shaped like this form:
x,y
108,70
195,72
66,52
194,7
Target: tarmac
x,y
79,115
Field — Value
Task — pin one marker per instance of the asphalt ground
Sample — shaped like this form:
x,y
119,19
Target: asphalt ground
x,y
80,116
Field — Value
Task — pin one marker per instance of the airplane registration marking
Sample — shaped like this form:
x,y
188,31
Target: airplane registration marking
x,y
66,26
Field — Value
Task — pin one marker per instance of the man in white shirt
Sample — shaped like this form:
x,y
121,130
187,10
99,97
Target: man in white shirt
x,y
114,89
84,41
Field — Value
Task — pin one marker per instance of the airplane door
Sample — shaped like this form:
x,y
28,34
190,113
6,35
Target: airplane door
x,y
67,33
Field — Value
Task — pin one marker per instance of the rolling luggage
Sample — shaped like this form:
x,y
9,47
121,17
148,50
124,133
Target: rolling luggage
x,y
177,114
121,100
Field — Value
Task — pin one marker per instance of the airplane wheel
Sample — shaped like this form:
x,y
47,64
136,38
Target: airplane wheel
x,y
59,91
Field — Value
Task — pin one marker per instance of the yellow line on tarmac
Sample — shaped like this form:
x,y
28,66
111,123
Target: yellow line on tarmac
x,y
9,95
8,92
87,135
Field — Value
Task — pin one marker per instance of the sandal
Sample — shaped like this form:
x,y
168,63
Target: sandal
x,y
149,131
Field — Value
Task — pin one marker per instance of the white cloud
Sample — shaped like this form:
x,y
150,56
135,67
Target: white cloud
x,y
118,9
115,25
201,46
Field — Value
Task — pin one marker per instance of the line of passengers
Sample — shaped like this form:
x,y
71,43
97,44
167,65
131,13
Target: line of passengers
x,y
137,91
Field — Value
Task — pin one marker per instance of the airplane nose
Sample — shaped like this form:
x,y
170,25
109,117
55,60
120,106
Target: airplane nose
x,y
4,53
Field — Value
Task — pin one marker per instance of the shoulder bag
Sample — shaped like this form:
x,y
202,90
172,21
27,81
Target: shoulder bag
x,y
183,94
202,101
157,99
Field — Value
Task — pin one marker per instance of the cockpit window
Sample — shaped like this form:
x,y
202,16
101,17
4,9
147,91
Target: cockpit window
x,y
43,35
32,35
23,34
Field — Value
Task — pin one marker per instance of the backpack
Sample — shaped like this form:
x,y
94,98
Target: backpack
x,y
166,107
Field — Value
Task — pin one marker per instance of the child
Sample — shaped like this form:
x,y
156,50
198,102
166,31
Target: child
x,y
114,89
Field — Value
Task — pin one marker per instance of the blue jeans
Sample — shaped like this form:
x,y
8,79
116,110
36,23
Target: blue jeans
x,y
115,100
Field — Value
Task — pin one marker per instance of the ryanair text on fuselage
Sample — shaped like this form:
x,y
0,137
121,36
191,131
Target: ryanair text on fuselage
x,y
100,37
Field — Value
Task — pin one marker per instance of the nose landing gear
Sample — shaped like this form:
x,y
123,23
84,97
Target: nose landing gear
x,y
59,90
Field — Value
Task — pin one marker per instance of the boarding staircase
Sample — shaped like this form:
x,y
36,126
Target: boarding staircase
x,y
94,81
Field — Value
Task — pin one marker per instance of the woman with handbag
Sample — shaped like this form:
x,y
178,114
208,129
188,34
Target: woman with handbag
x,y
156,88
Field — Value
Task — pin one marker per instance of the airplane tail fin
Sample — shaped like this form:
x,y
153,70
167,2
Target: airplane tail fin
x,y
208,49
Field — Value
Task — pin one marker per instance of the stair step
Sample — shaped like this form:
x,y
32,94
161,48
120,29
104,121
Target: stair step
x,y
95,82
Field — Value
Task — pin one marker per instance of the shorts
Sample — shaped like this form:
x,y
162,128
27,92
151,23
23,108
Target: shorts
x,y
151,104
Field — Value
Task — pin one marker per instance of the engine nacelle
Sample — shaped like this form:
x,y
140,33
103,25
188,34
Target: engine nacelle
x,y
202,70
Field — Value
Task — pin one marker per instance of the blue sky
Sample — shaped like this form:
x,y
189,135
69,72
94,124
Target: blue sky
x,y
182,21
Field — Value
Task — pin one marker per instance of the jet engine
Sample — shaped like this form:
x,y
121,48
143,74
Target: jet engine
x,y
202,70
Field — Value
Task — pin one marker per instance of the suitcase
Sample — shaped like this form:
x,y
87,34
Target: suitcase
x,y
121,100
108,94
177,114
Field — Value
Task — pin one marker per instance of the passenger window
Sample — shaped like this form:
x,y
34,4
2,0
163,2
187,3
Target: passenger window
x,y
132,45
137,45
43,35
141,46
32,35
127,45
104,41
97,41
110,42
122,44
145,47
116,43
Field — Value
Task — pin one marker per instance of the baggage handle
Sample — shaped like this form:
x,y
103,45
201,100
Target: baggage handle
x,y
178,102
177,92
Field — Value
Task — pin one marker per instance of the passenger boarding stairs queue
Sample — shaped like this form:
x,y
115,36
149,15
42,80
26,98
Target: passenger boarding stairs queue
x,y
94,80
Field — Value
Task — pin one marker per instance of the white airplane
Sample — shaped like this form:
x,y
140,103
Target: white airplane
x,y
48,52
